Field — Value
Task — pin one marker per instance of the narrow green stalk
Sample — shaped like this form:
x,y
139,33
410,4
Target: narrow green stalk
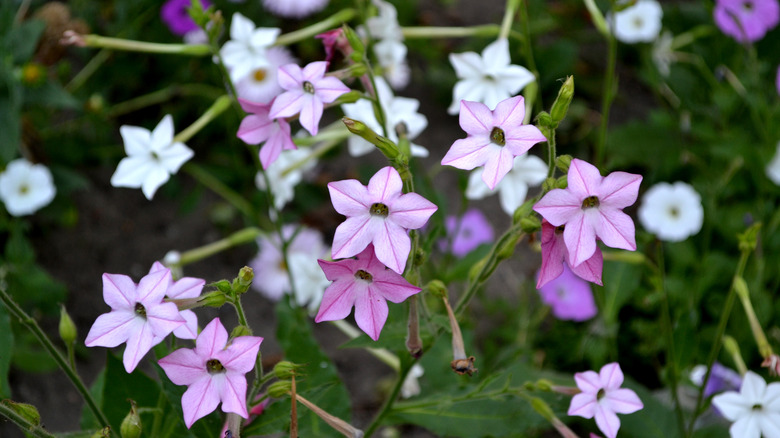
x,y
429,32
732,348
236,302
383,354
758,333
607,96
551,154
33,326
377,421
218,187
163,95
218,107
525,23
509,16
24,424
89,69
93,40
238,238
329,23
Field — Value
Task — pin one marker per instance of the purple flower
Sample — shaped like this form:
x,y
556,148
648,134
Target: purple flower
x,y
213,371
308,90
590,208
603,398
721,379
258,127
175,15
138,315
185,287
746,20
569,296
365,283
473,229
380,214
555,256
494,138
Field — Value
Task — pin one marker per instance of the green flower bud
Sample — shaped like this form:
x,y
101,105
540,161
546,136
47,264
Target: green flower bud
x,y
548,184
544,120
244,280
354,41
522,211
223,286
544,385
131,425
437,288
563,162
67,328
475,270
530,224
561,105
26,411
507,247
348,97
388,148
213,299
749,239
285,370
542,408
239,331
279,388
562,182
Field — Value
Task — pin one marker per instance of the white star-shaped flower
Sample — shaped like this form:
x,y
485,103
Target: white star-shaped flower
x,y
397,110
25,187
673,212
488,78
283,183
755,410
152,157
245,52
638,23
391,56
527,170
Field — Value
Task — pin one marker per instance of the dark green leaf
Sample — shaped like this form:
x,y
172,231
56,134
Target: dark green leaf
x,y
21,41
6,347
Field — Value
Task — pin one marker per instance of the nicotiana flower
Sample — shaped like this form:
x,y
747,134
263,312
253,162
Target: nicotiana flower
x,y
378,213
283,177
721,379
494,138
294,8
603,398
384,25
397,111
555,258
746,20
527,170
138,315
185,287
638,23
590,208
365,283
673,212
26,187
391,58
308,90
773,168
570,297
467,232
303,250
246,50
755,410
261,85
152,157
257,127
214,371
489,78
411,385
174,14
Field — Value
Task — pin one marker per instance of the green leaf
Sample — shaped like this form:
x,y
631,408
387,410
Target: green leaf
x,y
21,41
6,347
51,95
120,387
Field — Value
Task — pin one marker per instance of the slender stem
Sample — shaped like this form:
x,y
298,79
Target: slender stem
x,y
487,30
93,40
238,238
551,154
218,187
334,20
163,95
24,424
509,15
218,107
607,96
755,326
382,354
33,326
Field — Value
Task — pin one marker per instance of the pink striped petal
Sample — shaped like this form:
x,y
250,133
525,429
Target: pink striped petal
x,y
371,312
385,185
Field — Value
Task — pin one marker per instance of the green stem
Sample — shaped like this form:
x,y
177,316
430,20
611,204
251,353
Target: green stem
x,y
331,22
383,354
163,95
487,30
30,429
218,187
218,107
93,40
509,15
755,326
551,154
33,326
607,96
238,238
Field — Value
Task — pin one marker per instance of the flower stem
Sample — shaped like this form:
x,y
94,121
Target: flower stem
x,y
29,428
383,354
607,96
33,326
509,15
218,187
161,96
758,333
487,30
218,107
334,20
238,238
93,40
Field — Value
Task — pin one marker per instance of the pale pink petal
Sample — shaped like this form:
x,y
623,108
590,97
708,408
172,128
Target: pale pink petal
x,y
233,394
199,400
588,381
559,207
392,246
583,405
290,77
580,239
260,109
370,313
497,166
619,189
584,179
622,401
255,129
385,185
187,287
111,329
338,300
468,153
152,288
591,269
138,344
616,229
411,211
475,118
314,70
509,113
337,270
521,138
163,318
311,113
212,339
353,235
184,366
611,376
329,89
349,197
119,291
607,421
271,149
395,288
188,330
287,104
240,356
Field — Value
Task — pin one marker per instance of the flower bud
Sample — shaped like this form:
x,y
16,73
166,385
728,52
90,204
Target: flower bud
x,y
240,330
222,286
563,162
285,370
561,105
437,288
562,182
474,272
348,97
387,147
279,388
548,184
102,433
749,239
544,385
530,224
67,328
26,411
544,120
244,280
213,299
542,408
355,42
507,246
131,425
523,211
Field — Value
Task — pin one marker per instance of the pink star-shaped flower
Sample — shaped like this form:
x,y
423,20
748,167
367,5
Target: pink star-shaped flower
x,y
378,214
591,207
258,127
138,315
555,255
213,371
365,283
185,287
308,90
603,398
494,138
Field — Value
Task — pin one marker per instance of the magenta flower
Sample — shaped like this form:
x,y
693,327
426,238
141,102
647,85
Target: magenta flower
x,y
334,40
569,296
590,208
494,138
603,398
185,287
308,90
746,20
138,315
555,256
175,15
258,127
213,371
365,283
468,232
380,214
